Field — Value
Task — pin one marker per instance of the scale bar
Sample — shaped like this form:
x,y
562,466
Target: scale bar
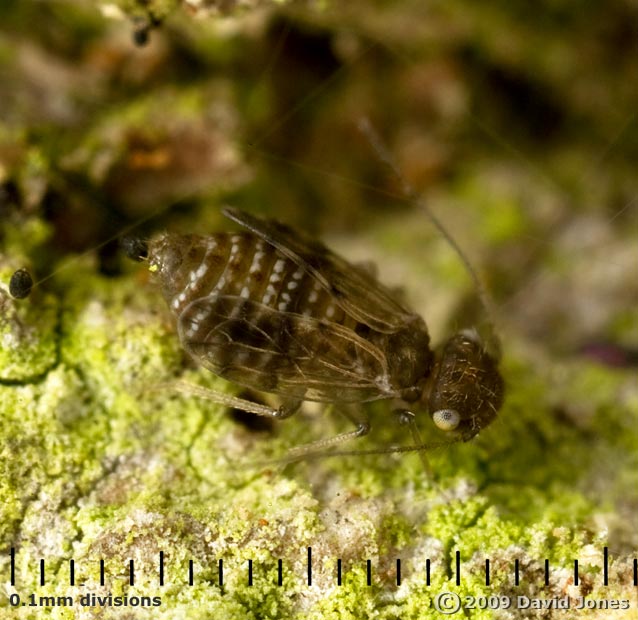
x,y
161,571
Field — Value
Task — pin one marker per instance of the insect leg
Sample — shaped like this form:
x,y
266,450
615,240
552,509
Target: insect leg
x,y
280,413
357,417
407,418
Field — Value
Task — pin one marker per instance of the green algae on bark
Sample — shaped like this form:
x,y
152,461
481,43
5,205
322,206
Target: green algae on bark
x,y
113,468
100,460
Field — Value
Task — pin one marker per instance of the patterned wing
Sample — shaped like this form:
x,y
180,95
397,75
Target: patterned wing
x,y
298,356
358,294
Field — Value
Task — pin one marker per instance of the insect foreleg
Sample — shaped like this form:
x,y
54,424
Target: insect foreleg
x,y
280,413
407,418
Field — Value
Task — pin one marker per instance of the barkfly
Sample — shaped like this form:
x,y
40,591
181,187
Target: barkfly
x,y
272,310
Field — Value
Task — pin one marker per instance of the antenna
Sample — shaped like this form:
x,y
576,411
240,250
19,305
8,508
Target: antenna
x,y
383,154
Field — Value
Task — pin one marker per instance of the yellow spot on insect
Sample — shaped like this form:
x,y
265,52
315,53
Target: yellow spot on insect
x,y
152,268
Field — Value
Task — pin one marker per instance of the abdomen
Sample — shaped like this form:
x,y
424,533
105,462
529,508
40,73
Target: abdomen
x,y
245,285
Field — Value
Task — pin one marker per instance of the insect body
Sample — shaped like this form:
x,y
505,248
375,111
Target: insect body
x,y
269,309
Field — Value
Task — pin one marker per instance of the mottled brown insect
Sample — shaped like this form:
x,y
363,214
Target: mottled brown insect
x,y
272,310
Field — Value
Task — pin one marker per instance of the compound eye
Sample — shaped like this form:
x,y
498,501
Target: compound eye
x,y
446,419
135,248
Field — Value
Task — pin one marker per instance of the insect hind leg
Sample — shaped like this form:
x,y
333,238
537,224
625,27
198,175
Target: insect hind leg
x,y
314,448
280,413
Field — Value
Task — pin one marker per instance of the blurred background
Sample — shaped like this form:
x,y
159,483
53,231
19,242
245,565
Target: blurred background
x,y
517,124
